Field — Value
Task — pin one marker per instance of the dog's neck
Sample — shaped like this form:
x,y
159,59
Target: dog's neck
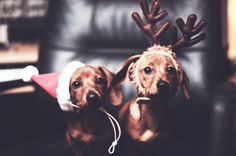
x,y
158,98
85,114
154,106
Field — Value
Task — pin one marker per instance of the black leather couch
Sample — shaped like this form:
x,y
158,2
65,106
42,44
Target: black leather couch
x,y
101,32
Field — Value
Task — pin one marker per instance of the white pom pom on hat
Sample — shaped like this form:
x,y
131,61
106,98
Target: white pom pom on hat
x,y
28,72
55,84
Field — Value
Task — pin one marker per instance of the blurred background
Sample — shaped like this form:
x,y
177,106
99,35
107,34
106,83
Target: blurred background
x,y
22,24
231,28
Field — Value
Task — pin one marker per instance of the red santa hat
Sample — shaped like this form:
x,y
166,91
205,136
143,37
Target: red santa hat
x,y
55,84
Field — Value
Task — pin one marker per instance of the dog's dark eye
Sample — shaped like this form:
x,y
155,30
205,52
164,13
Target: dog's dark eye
x,y
76,84
100,81
171,70
147,70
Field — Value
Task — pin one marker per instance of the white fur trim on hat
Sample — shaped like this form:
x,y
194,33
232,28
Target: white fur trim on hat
x,y
63,94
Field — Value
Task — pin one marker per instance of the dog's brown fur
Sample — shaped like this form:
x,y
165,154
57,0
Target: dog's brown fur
x,y
89,130
147,122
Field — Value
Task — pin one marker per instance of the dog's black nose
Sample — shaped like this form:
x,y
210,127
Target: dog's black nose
x,y
92,98
163,85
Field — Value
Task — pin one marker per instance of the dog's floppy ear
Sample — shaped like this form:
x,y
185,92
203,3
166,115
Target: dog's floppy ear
x,y
114,92
122,74
184,82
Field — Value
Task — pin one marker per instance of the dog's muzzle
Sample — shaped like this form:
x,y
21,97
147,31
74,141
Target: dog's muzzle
x,y
163,85
93,100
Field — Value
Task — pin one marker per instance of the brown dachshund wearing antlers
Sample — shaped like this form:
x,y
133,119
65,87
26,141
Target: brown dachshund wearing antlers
x,y
90,131
156,74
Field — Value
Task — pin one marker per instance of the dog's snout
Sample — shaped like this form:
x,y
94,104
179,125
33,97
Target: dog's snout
x,y
92,97
162,85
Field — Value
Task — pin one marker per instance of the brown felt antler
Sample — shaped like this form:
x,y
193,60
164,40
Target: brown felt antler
x,y
152,16
188,31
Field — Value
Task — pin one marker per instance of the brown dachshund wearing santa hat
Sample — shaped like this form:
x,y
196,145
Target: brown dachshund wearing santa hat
x,y
85,92
90,127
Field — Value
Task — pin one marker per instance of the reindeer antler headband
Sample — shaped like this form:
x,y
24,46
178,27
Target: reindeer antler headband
x,y
152,16
155,15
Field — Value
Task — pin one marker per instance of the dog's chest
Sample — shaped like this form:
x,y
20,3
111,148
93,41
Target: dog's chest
x,y
144,121
90,132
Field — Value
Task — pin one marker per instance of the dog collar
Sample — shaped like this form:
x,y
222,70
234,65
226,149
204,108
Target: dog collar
x,y
142,99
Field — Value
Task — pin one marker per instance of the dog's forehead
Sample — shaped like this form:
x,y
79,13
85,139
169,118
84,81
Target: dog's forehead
x,y
87,71
154,59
